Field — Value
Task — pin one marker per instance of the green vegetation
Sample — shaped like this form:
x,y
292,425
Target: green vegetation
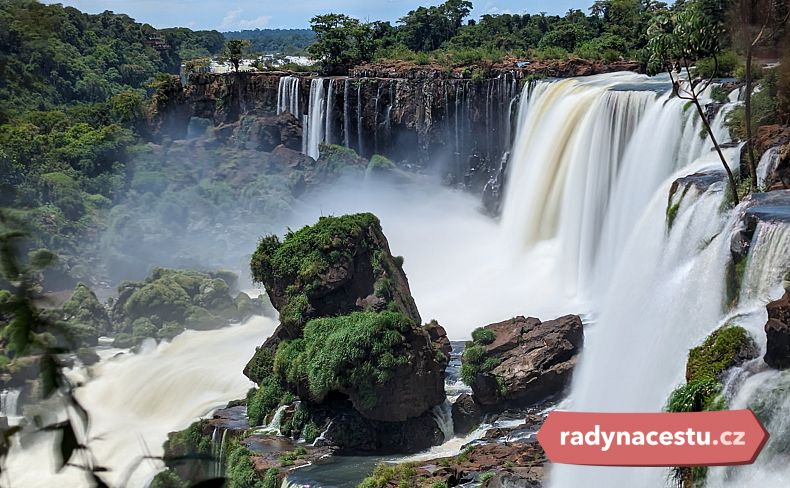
x,y
276,41
168,479
355,351
262,401
240,471
190,442
614,29
718,352
305,254
475,359
387,474
170,300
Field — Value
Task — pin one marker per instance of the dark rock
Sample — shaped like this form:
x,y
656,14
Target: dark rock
x,y
777,331
536,360
518,478
467,414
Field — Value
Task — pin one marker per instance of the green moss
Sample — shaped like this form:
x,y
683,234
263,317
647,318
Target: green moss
x,y
261,365
483,336
357,351
672,212
379,165
189,442
305,254
84,308
270,478
717,353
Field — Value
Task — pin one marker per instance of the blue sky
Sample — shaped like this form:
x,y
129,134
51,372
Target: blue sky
x,y
251,14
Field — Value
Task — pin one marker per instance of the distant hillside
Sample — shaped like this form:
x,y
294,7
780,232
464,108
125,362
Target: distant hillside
x,y
286,41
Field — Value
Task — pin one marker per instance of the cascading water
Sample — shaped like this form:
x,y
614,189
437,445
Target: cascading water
x,y
288,96
316,128
766,166
134,400
8,403
590,174
444,419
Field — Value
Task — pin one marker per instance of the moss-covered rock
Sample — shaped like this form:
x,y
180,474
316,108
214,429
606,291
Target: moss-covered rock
x,y
728,346
337,266
86,319
170,300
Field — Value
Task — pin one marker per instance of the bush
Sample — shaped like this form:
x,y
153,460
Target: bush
x,y
188,442
356,351
311,432
240,472
263,400
728,61
483,336
696,396
168,479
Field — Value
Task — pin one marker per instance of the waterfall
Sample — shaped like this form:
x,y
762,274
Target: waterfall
x,y
322,436
346,113
766,166
316,129
443,415
330,116
218,436
359,118
288,96
592,166
273,427
8,403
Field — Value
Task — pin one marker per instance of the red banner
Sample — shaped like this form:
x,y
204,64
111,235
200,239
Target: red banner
x,y
726,437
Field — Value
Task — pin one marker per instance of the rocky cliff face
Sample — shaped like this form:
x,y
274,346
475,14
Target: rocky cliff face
x,y
457,123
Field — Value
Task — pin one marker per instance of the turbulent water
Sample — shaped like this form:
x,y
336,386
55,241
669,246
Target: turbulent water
x,y
590,175
134,400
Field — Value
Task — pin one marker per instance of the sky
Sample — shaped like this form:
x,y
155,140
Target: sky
x,y
278,14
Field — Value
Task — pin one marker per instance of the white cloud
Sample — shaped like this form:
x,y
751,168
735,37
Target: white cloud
x,y
258,23
232,21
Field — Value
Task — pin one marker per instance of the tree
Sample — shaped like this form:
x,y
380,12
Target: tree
x,y
753,23
677,41
234,52
427,28
341,42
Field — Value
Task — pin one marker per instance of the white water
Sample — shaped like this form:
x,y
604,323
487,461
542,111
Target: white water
x,y
444,419
134,400
288,96
8,404
767,165
316,128
590,174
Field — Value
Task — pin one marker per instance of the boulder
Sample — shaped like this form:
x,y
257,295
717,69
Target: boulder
x,y
467,414
524,361
777,331
349,328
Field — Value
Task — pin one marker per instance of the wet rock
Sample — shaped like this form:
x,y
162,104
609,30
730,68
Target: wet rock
x,y
777,331
527,362
467,414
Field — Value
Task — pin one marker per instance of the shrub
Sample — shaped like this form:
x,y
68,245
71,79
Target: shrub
x,y
728,61
483,336
357,351
263,400
168,479
311,432
697,396
188,442
240,472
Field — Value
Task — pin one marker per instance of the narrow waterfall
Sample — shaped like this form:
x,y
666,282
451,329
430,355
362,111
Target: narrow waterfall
x,y
288,96
766,166
444,419
8,403
330,115
346,113
316,128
